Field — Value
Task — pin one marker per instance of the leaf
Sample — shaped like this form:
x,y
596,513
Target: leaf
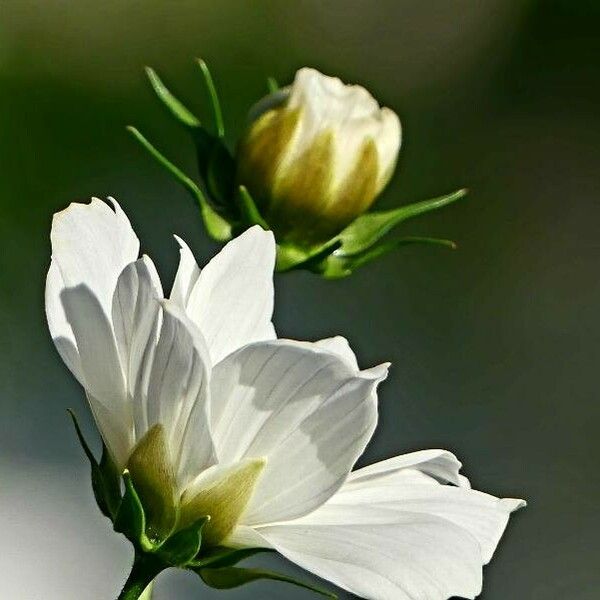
x,y
232,577
182,547
106,491
249,212
131,518
173,105
369,228
272,85
220,556
214,98
337,267
217,227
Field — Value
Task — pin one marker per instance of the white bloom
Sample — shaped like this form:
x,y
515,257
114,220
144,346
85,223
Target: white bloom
x,y
317,154
209,411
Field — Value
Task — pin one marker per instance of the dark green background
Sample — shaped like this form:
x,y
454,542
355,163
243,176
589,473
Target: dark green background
x,y
494,347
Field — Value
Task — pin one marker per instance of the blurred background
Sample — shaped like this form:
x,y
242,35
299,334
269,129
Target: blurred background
x,y
494,346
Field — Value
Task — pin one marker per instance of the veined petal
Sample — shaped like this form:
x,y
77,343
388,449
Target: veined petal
x,y
410,490
232,300
177,393
303,409
101,369
92,244
186,276
339,345
379,554
439,464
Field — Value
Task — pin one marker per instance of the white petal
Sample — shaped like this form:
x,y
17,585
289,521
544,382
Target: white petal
x,y
304,410
440,464
186,276
410,490
101,369
136,315
60,330
92,244
232,301
378,554
178,391
339,345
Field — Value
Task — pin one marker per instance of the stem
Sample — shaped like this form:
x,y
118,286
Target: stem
x,y
143,572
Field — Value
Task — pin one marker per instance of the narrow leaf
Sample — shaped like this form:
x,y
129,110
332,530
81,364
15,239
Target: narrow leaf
x,y
216,226
221,556
173,105
249,212
366,230
214,98
337,267
102,494
232,577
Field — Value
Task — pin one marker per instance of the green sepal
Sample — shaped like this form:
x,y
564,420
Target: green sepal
x,y
272,85
290,257
172,104
214,97
337,267
131,517
232,577
182,547
221,556
368,229
217,226
249,213
105,477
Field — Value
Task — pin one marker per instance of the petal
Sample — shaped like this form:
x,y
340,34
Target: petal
x,y
186,276
413,490
177,395
439,464
136,317
304,410
339,345
379,554
101,369
60,330
232,301
92,244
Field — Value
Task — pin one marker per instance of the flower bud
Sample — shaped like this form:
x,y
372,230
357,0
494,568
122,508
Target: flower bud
x,y
316,155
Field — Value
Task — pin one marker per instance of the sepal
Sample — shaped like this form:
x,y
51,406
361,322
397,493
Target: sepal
x,y
227,578
131,518
182,547
105,477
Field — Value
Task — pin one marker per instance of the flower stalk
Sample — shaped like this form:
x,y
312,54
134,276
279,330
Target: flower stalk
x,y
139,583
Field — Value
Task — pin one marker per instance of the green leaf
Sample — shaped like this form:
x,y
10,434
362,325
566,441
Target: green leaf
x,y
173,105
131,518
105,485
249,212
232,577
272,85
182,547
369,228
337,267
220,556
217,227
214,98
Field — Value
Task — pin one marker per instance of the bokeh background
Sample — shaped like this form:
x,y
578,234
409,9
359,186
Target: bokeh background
x,y
494,347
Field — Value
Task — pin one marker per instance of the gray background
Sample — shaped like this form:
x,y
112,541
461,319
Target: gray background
x,y
494,347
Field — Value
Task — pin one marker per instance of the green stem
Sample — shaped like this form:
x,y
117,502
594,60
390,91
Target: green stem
x,y
143,572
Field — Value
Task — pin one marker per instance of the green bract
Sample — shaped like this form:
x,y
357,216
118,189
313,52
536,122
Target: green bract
x,y
316,209
183,544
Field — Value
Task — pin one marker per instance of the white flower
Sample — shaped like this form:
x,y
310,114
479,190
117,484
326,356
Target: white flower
x,y
214,415
316,155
